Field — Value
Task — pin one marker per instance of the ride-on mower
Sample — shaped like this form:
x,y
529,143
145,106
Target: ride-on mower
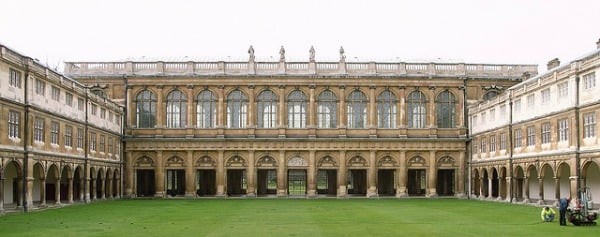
x,y
581,214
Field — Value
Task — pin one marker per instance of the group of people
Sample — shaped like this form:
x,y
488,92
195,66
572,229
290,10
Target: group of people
x,y
548,213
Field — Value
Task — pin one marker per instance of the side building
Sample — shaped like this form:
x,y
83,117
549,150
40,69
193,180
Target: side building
x,y
538,141
278,128
59,142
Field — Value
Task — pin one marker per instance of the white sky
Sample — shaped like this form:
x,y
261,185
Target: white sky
x,y
503,31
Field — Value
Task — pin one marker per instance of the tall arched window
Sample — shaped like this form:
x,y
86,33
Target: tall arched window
x,y
297,109
357,110
445,110
326,110
146,109
206,110
267,110
416,109
176,109
386,109
237,104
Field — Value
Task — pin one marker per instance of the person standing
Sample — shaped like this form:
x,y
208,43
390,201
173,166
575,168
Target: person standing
x,y
548,214
562,209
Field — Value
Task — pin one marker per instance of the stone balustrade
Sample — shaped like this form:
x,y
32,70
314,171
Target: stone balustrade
x,y
298,68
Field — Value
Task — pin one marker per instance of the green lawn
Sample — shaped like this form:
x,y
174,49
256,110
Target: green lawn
x,y
289,217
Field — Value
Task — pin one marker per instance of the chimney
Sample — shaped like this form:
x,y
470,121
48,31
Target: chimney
x,y
598,44
553,63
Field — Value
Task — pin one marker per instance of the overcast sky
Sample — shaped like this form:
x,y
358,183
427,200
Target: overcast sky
x,y
506,31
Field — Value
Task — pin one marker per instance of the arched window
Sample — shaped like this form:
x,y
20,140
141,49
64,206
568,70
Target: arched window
x,y
357,110
327,110
386,109
146,109
445,105
297,109
490,95
416,110
237,104
206,110
176,109
267,110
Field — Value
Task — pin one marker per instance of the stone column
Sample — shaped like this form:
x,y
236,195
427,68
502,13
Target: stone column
x,y
1,194
432,179
89,183
251,171
132,107
159,179
281,110
402,108
556,190
190,176
526,184
220,174
281,177
190,107
509,195
372,115
160,123
573,180
312,184
129,174
481,193
402,175
431,109
221,107
311,113
57,190
29,186
42,192
70,189
489,186
372,175
342,178
541,191
342,108
461,175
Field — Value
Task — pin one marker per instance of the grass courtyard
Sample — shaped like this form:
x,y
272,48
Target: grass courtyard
x,y
289,217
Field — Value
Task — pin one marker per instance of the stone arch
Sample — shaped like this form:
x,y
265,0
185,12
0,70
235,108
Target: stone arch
x,y
297,161
144,161
53,172
327,161
387,161
417,161
235,161
357,161
519,182
174,162
590,174
446,161
266,161
205,161
476,182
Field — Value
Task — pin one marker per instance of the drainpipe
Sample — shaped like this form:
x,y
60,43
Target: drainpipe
x,y
86,174
26,141
577,135
467,164
123,144
510,148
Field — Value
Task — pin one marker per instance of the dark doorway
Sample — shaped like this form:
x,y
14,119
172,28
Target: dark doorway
x,y
416,182
267,182
175,182
385,183
445,183
206,183
495,183
145,183
99,186
297,182
357,182
327,182
236,182
77,185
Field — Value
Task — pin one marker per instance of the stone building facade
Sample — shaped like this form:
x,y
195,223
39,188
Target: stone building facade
x,y
311,129
60,141
537,141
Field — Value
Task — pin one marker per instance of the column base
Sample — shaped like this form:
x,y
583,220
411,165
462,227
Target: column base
x,y
190,195
401,195
250,195
541,202
159,195
526,200
460,196
372,195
